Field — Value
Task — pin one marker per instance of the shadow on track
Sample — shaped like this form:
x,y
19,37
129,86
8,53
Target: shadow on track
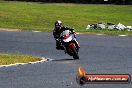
x,y
63,60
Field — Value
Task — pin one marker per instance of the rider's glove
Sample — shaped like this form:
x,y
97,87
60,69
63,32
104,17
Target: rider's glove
x,y
57,39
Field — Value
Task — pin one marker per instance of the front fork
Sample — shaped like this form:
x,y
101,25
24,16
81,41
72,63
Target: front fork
x,y
65,46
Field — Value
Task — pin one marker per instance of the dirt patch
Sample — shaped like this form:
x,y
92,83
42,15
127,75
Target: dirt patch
x,y
9,29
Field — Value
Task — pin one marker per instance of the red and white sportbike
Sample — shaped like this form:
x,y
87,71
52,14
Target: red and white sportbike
x,y
69,43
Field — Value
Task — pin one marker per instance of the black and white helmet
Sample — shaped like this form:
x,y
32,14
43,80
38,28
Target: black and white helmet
x,y
58,24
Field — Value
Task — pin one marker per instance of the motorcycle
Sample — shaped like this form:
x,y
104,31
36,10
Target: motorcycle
x,y
69,44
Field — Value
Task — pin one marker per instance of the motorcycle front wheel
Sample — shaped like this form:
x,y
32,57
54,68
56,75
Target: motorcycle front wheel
x,y
75,53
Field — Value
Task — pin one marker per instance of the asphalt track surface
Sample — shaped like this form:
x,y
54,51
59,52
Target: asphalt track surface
x,y
102,54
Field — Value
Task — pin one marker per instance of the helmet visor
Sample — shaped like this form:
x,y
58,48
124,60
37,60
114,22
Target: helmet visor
x,y
57,25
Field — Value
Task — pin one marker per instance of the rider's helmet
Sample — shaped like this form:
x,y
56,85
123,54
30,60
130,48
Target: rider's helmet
x,y
58,24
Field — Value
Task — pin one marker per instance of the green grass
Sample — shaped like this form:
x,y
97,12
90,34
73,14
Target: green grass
x,y
6,59
41,17
108,32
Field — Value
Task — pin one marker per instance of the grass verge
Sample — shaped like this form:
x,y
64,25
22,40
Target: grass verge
x,y
6,59
41,16
108,32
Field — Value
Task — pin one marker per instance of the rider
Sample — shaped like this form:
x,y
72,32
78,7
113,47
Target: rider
x,y
58,30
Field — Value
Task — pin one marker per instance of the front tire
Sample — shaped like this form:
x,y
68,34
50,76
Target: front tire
x,y
75,53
